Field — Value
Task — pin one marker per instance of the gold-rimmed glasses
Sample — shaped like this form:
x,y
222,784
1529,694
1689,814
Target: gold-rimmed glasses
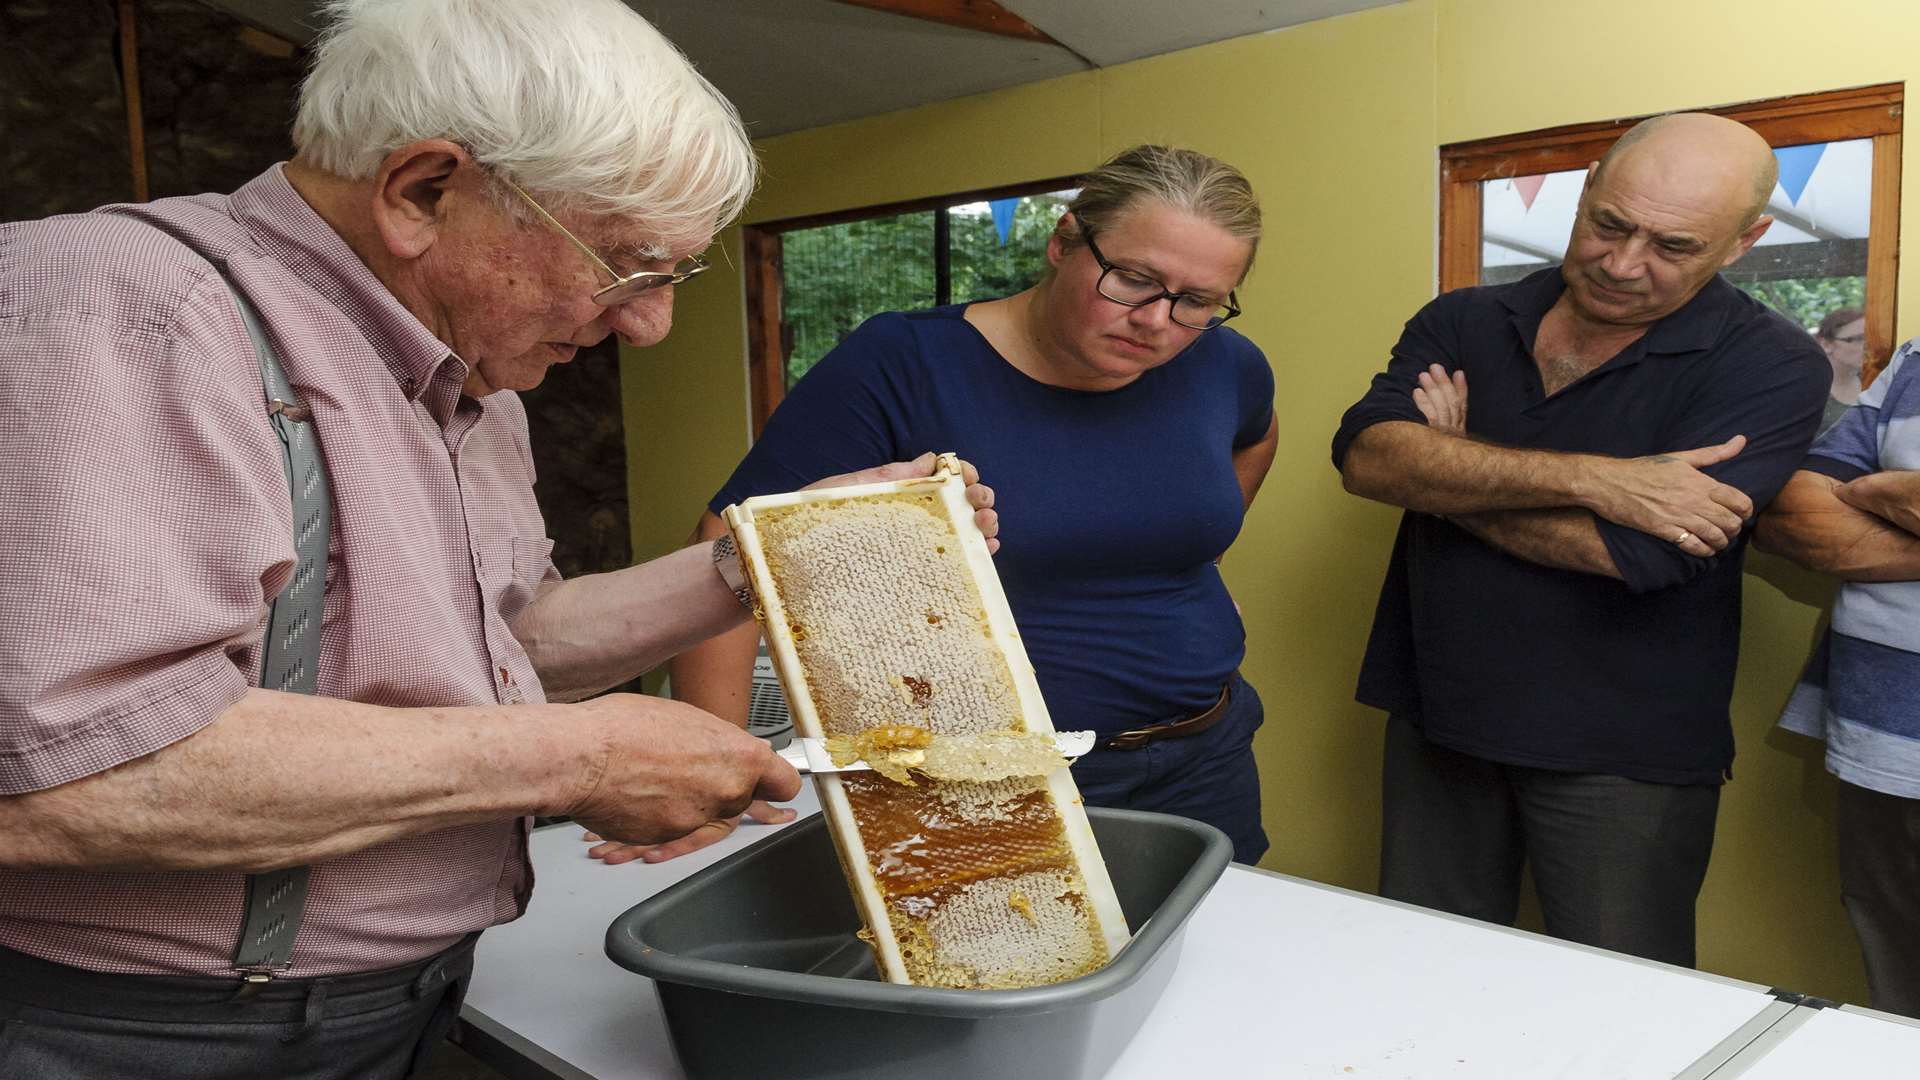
x,y
625,286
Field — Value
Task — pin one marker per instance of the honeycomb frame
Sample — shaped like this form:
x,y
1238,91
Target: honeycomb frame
x,y
948,492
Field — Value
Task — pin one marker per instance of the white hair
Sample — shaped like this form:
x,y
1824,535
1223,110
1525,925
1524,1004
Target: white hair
x,y
580,100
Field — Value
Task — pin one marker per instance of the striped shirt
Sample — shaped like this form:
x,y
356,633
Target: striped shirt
x,y
1861,689
145,526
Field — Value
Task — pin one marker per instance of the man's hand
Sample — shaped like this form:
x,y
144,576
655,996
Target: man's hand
x,y
1443,399
667,769
979,495
614,853
1666,495
1893,496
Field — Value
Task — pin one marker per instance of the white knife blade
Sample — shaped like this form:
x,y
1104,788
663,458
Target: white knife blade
x,y
810,755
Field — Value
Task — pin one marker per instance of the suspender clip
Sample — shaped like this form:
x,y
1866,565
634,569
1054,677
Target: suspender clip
x,y
251,980
292,410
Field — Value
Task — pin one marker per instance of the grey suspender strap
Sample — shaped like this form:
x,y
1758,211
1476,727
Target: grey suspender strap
x,y
290,650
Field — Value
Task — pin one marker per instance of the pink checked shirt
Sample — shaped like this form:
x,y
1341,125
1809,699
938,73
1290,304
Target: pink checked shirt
x,y
145,525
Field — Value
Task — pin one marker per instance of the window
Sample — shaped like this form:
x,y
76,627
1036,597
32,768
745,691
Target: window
x,y
1507,206
811,281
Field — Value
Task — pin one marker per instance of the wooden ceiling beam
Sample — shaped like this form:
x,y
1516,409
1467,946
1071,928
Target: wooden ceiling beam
x,y
129,13
984,16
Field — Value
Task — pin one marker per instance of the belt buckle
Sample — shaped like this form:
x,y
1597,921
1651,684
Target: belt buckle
x,y
1130,740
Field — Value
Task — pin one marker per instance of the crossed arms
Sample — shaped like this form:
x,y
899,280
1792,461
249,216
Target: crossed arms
x,y
1542,506
1864,529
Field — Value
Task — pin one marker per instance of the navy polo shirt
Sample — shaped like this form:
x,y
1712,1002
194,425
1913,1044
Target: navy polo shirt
x,y
1515,662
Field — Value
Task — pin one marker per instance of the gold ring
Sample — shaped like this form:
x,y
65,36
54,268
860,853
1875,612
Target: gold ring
x,y
1683,537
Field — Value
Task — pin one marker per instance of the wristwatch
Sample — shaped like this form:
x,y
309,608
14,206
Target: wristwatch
x,y
726,560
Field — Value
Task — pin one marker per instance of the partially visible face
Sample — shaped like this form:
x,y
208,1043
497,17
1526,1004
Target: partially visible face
x,y
515,298
1648,236
1104,345
1847,351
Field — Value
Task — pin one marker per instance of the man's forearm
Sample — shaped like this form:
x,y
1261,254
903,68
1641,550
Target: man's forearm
x,y
588,633
1566,539
1419,468
1809,524
285,779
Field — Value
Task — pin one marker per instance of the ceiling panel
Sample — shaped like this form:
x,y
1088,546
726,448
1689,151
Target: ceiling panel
x,y
1110,32
793,64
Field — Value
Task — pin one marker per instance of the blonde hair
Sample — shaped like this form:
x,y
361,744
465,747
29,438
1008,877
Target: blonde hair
x,y
580,100
1187,180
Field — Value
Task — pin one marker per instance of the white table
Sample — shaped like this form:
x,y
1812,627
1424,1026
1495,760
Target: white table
x,y
1814,1044
1278,978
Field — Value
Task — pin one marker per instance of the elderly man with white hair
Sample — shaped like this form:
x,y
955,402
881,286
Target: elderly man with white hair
x,y
481,187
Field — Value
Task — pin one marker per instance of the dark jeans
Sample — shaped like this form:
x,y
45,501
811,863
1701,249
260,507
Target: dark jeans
x,y
1617,863
1880,885
63,1023
1208,777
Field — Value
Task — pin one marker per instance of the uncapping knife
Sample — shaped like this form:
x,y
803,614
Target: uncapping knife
x,y
810,755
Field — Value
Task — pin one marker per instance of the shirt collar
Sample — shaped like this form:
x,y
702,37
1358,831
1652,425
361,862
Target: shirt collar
x,y
291,233
1693,328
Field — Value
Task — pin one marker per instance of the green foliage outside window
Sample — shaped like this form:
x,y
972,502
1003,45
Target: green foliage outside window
x,y
1808,300
983,268
835,277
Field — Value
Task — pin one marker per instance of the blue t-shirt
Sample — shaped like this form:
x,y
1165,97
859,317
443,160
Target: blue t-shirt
x,y
1113,504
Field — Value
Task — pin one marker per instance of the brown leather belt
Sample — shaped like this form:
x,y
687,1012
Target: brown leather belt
x,y
1175,729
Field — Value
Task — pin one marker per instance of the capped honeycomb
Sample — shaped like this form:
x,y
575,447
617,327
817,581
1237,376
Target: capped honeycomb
x,y
967,848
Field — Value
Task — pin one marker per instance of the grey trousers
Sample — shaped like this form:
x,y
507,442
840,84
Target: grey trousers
x,y
63,1023
1616,863
1880,885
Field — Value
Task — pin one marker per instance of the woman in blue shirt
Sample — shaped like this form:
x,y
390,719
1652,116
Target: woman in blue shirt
x,y
1125,429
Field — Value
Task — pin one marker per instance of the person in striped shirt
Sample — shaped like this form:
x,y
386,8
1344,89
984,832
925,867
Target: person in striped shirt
x,y
1853,510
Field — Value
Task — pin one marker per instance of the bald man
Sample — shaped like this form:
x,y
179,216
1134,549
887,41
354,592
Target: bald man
x,y
1556,638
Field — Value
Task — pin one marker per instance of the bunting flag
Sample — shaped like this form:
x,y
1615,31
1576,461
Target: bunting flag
x,y
1796,167
1529,188
1003,216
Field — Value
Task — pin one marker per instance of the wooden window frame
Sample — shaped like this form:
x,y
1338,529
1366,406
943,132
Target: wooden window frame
x,y
768,340
1864,112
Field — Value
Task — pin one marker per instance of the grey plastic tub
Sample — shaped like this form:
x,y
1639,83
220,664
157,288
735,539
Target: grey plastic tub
x,y
760,974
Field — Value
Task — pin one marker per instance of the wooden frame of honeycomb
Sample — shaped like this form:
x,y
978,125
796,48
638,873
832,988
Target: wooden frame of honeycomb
x,y
887,624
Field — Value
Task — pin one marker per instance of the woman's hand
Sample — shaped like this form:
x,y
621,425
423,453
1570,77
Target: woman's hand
x,y
979,495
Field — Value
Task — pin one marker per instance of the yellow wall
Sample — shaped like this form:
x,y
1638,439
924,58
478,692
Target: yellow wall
x,y
1644,56
1336,122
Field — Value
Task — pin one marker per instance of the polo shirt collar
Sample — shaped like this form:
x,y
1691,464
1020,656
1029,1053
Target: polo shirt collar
x,y
1693,328
290,232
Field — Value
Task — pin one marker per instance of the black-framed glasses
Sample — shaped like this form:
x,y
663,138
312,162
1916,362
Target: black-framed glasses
x,y
625,286
1134,289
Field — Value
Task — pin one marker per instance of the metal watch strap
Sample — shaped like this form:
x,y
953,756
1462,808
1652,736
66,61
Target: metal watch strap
x,y
290,648
726,559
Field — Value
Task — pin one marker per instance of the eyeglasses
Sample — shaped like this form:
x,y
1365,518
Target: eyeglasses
x,y
625,286
1134,289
